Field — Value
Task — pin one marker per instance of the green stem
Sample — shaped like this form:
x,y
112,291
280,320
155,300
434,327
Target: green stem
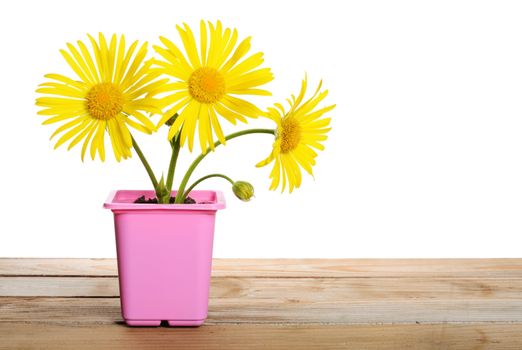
x,y
173,160
145,163
207,177
180,197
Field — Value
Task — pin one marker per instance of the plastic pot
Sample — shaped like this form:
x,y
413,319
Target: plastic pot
x,y
164,257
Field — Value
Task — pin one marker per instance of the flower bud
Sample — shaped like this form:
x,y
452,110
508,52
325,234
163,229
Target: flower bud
x,y
162,193
243,190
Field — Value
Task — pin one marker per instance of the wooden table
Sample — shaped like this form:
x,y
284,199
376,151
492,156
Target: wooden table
x,y
275,304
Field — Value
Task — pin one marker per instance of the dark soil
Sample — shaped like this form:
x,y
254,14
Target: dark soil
x,y
154,200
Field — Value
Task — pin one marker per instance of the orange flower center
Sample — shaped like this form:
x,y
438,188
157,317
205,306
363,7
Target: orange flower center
x,y
206,85
290,134
104,101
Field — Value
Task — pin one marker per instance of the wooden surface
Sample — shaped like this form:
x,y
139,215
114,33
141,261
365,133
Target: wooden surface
x,y
275,304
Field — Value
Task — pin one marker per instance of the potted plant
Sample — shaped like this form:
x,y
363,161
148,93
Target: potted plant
x,y
164,236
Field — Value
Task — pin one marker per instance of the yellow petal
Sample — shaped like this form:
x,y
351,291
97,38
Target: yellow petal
x,y
90,63
203,42
68,125
81,135
190,45
241,50
70,134
92,128
77,69
241,106
217,127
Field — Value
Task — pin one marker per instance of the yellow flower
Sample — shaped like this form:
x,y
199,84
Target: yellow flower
x,y
299,132
114,86
207,78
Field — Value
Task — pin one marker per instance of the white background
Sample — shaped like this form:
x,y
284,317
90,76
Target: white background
x,y
424,159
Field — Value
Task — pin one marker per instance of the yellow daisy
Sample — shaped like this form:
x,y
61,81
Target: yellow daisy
x,y
114,87
208,77
299,132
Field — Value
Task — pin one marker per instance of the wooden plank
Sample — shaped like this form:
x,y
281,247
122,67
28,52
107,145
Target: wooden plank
x,y
348,301
57,267
391,268
326,289
62,311
59,286
274,337
342,268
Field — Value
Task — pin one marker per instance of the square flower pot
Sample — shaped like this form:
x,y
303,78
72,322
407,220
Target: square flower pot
x,y
164,257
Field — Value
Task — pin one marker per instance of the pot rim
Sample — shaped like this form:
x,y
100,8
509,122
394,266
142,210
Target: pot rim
x,y
206,200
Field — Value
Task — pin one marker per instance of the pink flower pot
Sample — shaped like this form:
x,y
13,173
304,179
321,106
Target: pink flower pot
x,y
164,257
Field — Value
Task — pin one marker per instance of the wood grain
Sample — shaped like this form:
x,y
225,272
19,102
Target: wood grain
x,y
274,310
271,336
276,304
286,288
304,300
340,268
